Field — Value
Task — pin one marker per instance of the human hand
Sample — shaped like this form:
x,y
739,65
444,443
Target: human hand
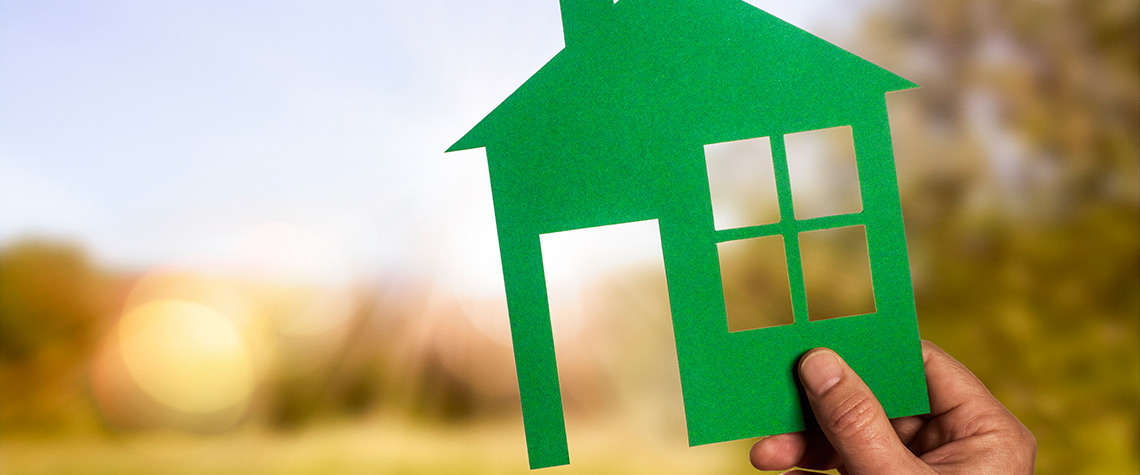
x,y
967,430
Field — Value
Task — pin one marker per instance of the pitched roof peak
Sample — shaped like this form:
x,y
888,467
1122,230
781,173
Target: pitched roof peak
x,y
700,67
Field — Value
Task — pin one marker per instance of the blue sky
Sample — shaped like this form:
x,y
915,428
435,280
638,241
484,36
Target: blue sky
x,y
152,131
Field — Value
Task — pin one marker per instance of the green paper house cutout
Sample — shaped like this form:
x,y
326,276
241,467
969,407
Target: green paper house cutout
x,y
612,130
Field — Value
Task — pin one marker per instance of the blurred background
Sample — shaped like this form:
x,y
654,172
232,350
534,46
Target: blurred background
x,y
230,241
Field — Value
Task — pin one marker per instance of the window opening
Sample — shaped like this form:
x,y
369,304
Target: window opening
x,y
823,173
742,182
754,273
837,272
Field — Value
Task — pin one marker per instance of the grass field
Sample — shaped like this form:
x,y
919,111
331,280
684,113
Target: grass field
x,y
370,446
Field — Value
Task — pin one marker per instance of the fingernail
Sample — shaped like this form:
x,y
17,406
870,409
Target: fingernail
x,y
820,370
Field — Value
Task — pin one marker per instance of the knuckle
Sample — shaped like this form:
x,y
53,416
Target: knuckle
x,y
1030,439
853,419
1017,449
1029,446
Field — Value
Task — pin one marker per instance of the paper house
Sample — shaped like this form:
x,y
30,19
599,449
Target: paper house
x,y
613,130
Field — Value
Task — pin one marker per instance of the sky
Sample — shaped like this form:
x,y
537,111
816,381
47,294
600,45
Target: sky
x,y
304,136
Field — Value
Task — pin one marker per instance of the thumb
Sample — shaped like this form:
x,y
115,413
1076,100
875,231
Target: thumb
x,y
852,418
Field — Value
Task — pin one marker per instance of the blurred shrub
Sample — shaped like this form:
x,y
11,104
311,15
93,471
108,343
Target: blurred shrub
x,y
52,304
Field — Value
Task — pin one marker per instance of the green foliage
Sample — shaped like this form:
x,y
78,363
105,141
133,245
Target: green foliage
x,y
1022,198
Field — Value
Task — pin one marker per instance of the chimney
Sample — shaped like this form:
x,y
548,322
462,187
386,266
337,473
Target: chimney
x,y
581,18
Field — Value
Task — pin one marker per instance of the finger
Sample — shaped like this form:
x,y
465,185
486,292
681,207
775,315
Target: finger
x,y
960,404
950,383
851,417
963,409
809,449
778,452
820,455
907,428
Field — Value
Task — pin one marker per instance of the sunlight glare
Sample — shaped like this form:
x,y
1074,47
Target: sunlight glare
x,y
187,356
311,266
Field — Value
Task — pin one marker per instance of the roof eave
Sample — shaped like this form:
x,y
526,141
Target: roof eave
x,y
899,83
468,142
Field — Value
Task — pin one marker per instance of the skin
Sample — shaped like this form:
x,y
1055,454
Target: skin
x,y
967,430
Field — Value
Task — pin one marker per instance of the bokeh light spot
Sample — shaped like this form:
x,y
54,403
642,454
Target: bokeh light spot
x,y
185,355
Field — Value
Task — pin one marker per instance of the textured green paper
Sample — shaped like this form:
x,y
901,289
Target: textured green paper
x,y
612,130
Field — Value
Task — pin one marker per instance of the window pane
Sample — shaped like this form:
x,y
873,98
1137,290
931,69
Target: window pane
x,y
821,166
837,273
742,183
755,276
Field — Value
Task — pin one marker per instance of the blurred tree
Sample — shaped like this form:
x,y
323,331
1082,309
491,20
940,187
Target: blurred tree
x,y
52,302
1021,161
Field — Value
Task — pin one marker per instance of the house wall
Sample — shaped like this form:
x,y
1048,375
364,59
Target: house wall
x,y
744,381
738,384
593,185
